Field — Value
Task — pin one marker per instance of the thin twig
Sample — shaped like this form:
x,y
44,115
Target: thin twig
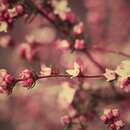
x,y
110,51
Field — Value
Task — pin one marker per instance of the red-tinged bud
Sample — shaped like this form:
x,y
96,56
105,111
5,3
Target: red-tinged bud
x,y
7,82
28,78
79,44
9,79
19,9
71,17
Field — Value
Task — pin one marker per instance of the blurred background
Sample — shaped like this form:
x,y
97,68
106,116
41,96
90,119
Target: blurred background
x,y
107,24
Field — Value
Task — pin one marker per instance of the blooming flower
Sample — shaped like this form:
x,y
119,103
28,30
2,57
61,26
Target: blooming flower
x,y
61,8
74,71
110,75
123,70
45,71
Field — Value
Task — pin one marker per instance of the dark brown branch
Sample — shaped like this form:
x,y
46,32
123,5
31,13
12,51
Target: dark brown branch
x,y
65,76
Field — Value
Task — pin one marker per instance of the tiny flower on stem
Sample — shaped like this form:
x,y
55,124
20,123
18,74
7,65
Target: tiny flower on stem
x,y
79,28
45,71
110,75
75,71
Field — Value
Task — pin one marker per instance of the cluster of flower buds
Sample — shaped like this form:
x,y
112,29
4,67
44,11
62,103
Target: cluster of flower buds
x,y
7,82
111,117
65,16
7,14
28,78
74,117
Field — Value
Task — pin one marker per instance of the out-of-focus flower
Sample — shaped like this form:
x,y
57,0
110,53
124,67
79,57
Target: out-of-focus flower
x,y
19,9
65,120
75,71
45,71
66,95
8,15
112,118
72,112
2,6
62,44
79,28
3,26
118,124
79,44
109,75
61,8
5,41
123,71
41,35
12,12
27,51
71,17
124,84
30,39
28,78
7,82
